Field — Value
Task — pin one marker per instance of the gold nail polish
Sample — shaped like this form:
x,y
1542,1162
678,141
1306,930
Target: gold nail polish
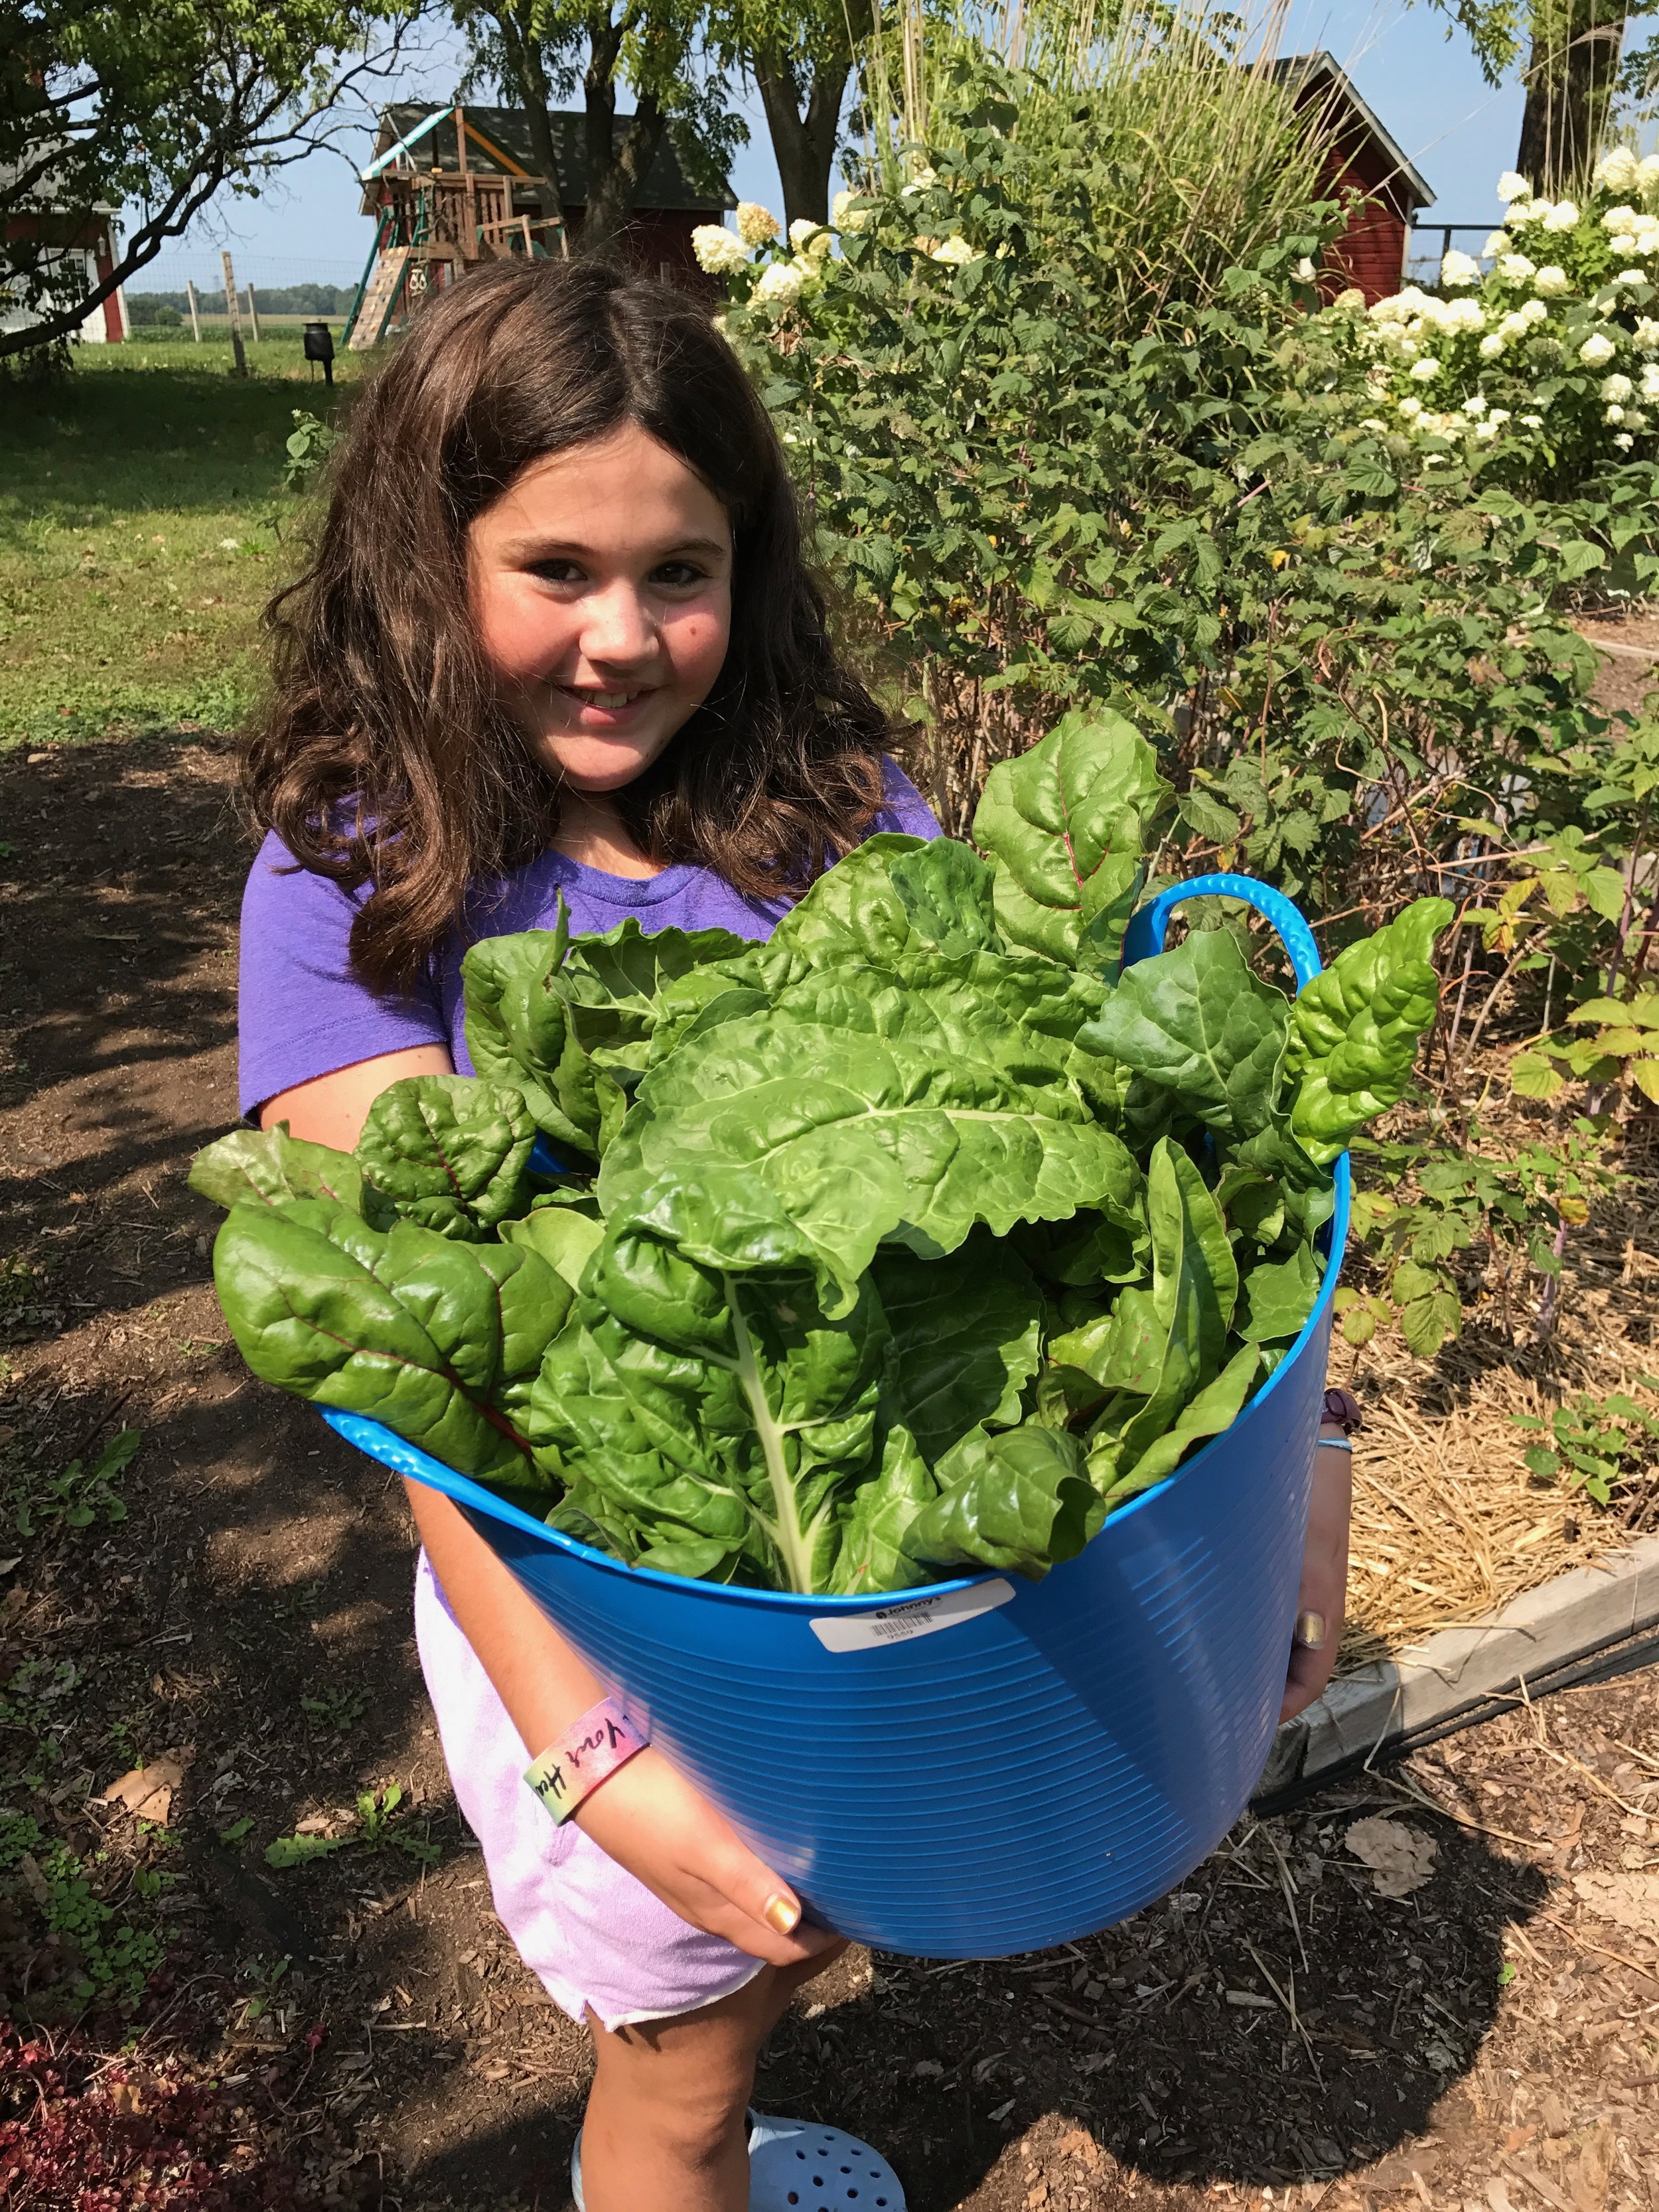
x,y
1311,1630
783,1914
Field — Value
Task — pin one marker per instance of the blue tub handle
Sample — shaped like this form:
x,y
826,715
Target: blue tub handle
x,y
1145,935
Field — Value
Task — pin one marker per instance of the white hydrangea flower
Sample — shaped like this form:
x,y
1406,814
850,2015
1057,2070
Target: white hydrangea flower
x,y
718,250
1632,276
1617,387
919,183
1487,430
810,238
1635,419
1624,244
1436,460
1563,215
1613,415
1515,268
1353,298
1371,423
1514,327
1624,441
1525,211
1646,235
1551,282
1410,406
1647,175
1409,349
1511,187
846,217
1498,243
954,252
1647,334
1617,170
781,285
1533,310
1475,404
1618,218
1532,421
1493,346
1597,349
756,226
1426,370
1498,415
1459,269
1650,380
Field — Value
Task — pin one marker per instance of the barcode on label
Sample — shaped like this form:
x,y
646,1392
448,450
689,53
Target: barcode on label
x,y
899,1623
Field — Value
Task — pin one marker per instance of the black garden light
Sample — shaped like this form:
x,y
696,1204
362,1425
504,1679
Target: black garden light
x,y
319,346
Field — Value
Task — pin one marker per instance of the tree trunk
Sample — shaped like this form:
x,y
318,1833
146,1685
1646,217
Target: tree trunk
x,y
524,57
804,145
611,190
1569,83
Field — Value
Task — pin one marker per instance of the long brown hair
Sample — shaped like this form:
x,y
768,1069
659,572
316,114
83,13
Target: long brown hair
x,y
383,755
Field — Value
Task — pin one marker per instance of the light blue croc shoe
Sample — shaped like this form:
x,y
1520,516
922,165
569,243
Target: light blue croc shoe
x,y
796,2165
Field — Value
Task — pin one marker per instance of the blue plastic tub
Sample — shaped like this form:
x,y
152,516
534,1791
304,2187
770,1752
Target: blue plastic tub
x,y
992,1765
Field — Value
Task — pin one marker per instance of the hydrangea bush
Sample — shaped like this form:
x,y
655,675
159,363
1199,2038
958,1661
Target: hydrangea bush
x,y
1551,356
1344,620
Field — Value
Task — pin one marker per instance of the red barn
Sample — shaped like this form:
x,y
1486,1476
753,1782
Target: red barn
x,y
1365,167
79,250
452,187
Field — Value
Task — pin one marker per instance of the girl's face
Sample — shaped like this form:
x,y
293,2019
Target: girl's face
x,y
602,589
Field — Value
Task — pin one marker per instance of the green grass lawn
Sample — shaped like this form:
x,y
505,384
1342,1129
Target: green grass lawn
x,y
143,525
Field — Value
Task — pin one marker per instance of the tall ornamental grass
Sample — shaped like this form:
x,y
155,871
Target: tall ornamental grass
x,y
1166,131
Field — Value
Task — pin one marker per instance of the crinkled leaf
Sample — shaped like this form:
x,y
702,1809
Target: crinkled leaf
x,y
732,1404
1279,1296
1355,1027
264,1166
449,1152
966,1338
1068,824
406,1327
1198,1022
1016,1500
858,1109
1214,1409
884,1511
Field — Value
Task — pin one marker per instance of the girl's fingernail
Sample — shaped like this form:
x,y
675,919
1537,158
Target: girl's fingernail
x,y
782,1913
1311,1630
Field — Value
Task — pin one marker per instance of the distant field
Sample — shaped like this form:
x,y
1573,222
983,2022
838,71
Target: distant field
x,y
143,525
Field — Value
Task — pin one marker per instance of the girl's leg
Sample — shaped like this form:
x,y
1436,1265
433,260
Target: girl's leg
x,y
664,2123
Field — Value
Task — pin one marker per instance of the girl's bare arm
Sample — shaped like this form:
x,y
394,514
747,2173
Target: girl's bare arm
x,y
648,1817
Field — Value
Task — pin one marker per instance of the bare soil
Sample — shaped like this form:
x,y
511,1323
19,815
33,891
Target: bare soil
x,y
1489,2038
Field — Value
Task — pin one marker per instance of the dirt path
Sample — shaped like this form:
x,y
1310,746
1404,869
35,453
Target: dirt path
x,y
354,2029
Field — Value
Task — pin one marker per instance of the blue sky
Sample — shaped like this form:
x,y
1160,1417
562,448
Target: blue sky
x,y
1424,87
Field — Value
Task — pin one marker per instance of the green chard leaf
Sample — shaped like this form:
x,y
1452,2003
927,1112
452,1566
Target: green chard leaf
x,y
967,1338
449,1152
261,1167
1279,1296
1018,1500
1066,825
405,1326
858,1109
1199,1023
732,1406
1355,1028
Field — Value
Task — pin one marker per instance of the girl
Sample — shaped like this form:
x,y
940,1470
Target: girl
x,y
558,637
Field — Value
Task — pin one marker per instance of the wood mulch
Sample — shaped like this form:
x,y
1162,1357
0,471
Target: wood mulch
x,y
1283,2024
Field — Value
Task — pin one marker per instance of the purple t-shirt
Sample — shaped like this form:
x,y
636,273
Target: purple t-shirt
x,y
303,1013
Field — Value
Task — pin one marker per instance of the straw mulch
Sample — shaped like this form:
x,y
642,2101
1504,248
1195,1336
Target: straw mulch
x,y
1448,1523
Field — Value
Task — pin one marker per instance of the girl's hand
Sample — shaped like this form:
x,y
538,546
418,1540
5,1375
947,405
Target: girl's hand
x,y
1324,1586
649,1819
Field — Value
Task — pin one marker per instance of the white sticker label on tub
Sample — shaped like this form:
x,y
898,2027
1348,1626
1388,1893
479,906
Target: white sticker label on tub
x,y
897,1624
